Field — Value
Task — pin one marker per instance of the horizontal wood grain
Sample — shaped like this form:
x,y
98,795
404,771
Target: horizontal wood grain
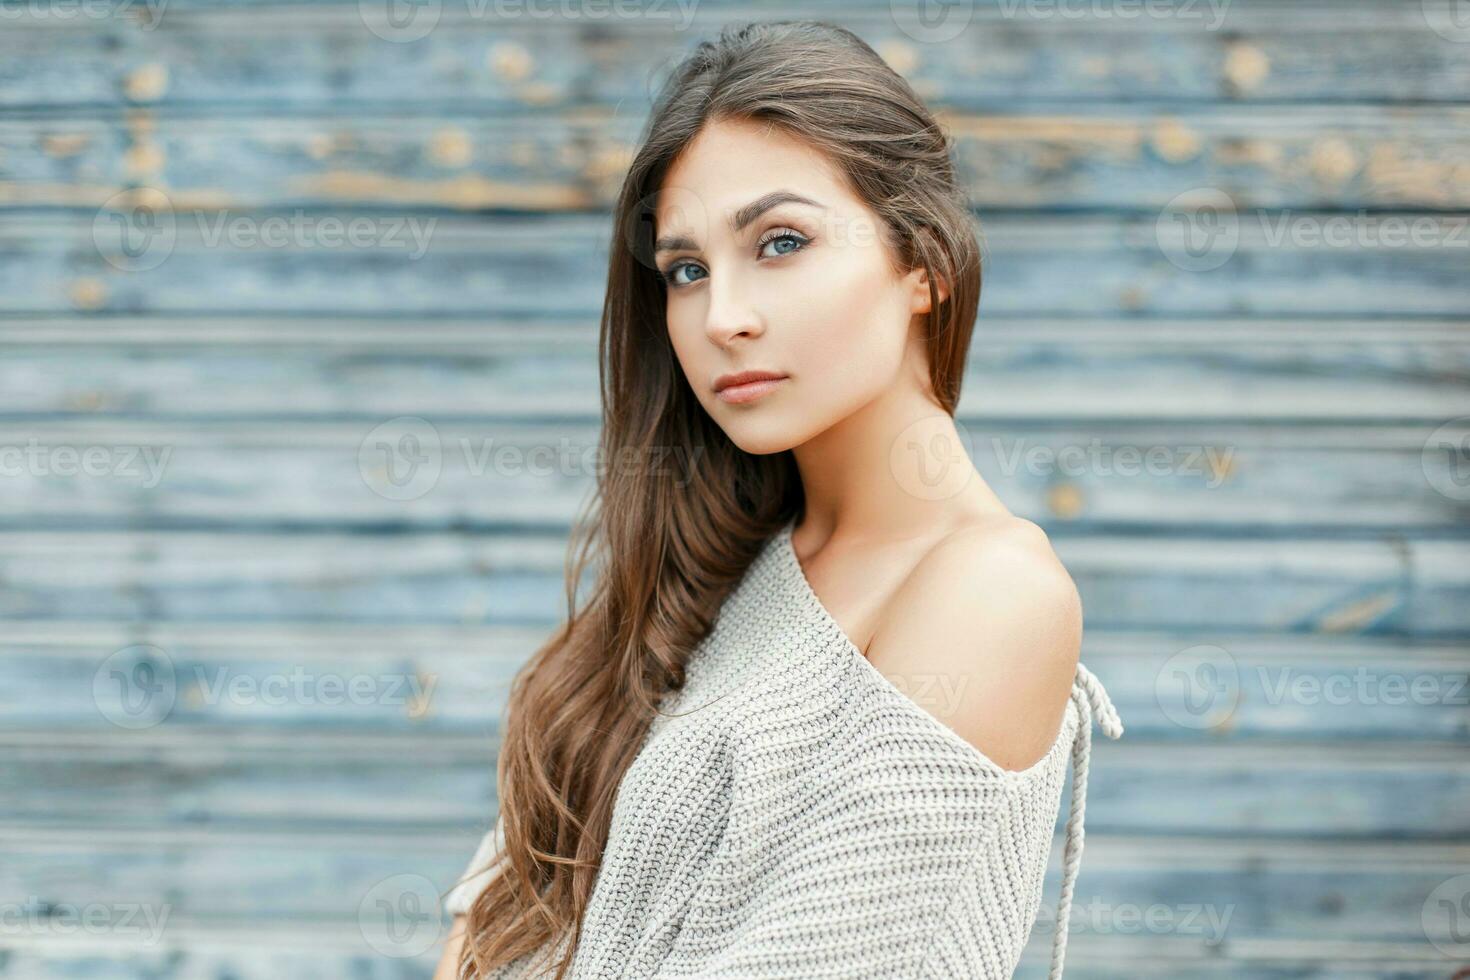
x,y
265,680
183,776
1119,157
320,951
555,266
488,473
1022,368
1272,888
249,52
1397,585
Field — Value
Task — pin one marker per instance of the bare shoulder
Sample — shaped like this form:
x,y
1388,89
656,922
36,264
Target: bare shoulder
x,y
985,633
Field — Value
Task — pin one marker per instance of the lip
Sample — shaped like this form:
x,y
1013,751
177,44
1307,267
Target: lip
x,y
746,385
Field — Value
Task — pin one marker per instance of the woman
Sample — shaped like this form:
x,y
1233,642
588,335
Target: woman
x,y
815,717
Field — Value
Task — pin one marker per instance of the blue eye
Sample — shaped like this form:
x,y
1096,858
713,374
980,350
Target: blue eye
x,y
797,243
674,270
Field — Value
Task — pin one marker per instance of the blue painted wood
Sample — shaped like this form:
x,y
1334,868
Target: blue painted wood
x,y
1166,477
556,267
1276,369
181,776
1394,586
301,55
228,681
1135,156
1274,889
1284,632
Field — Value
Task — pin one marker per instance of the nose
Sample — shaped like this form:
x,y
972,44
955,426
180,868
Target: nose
x,y
731,314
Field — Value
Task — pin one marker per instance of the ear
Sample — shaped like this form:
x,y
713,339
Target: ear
x,y
918,280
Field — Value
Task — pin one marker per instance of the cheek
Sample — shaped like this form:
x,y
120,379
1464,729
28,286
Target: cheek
x,y
854,327
685,335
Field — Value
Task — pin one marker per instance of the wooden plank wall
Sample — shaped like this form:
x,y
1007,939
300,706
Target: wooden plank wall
x,y
1248,467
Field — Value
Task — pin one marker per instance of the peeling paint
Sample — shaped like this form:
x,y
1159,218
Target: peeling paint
x,y
1248,151
1065,499
464,191
1222,465
1356,615
88,294
1332,160
900,56
319,146
146,83
1175,141
1063,129
143,160
537,93
1246,66
56,195
610,161
1392,173
61,145
510,62
450,147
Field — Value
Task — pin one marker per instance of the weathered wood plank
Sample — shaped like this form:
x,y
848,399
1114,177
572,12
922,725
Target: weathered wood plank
x,y
322,951
186,776
493,472
1400,585
267,678
523,369
1108,157
556,266
1272,889
488,473
304,55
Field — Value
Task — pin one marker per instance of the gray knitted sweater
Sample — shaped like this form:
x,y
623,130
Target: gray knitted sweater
x,y
801,816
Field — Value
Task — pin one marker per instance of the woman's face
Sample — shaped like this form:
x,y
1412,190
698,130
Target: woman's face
x,y
801,289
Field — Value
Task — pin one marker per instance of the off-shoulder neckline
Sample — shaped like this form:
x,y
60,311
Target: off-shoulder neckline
x,y
823,619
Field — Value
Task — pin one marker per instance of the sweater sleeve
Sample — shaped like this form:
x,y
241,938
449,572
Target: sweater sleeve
x,y
983,931
477,874
843,873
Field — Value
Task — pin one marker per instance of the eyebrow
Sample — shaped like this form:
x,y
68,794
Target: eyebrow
x,y
738,220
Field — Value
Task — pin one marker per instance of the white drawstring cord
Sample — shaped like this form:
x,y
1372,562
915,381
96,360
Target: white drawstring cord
x,y
1092,702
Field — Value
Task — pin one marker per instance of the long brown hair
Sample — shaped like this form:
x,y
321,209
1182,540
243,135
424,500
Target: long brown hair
x,y
680,511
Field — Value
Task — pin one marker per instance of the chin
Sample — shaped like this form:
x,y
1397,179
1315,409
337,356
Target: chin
x,y
759,440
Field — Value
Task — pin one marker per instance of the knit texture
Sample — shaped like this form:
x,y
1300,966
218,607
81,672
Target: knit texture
x,y
794,814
